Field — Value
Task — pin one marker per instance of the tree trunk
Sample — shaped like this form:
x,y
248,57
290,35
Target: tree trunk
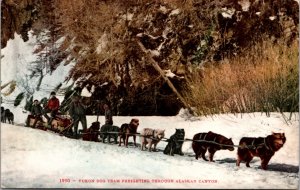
x,y
170,84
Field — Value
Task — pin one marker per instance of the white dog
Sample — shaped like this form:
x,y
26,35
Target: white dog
x,y
151,136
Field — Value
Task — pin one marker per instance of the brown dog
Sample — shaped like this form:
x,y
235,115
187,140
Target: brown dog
x,y
264,148
217,142
128,130
91,134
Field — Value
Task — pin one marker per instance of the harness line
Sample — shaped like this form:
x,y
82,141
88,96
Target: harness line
x,y
252,146
166,139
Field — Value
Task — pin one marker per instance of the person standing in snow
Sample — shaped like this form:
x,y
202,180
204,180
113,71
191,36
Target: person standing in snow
x,y
36,112
51,107
108,115
77,112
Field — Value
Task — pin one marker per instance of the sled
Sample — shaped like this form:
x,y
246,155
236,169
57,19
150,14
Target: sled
x,y
60,124
39,125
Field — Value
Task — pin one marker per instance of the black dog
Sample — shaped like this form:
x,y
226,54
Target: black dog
x,y
2,114
9,116
175,142
109,131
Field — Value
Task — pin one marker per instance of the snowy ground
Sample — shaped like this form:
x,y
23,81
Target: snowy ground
x,y
33,158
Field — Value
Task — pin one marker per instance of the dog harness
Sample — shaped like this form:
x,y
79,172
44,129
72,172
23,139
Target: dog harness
x,y
268,147
204,138
259,145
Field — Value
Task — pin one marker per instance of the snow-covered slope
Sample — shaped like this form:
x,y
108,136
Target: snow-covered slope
x,y
16,60
36,159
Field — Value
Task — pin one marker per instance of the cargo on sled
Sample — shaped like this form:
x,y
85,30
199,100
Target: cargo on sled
x,y
60,123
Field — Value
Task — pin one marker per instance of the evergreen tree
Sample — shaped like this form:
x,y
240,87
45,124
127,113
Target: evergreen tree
x,y
18,99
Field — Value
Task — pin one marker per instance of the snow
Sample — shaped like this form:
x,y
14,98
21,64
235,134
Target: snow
x,y
32,158
154,53
140,34
227,13
174,12
245,5
152,37
102,43
85,93
163,9
166,32
169,73
128,16
272,17
60,41
17,57
203,43
105,83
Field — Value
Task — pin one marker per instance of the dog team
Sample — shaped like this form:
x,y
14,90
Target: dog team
x,y
249,147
